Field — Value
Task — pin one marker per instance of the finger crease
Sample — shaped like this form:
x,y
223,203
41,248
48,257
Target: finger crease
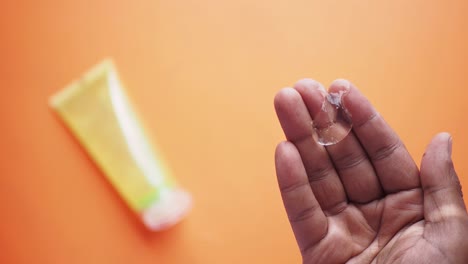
x,y
294,187
335,209
349,161
366,121
301,139
319,174
386,151
432,190
304,214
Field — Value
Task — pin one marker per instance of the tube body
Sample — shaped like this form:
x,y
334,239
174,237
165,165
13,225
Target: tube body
x,y
99,113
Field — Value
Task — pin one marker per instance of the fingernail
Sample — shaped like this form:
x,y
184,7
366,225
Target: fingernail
x,y
342,83
450,141
322,89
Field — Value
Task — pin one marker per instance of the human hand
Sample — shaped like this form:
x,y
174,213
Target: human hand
x,y
364,200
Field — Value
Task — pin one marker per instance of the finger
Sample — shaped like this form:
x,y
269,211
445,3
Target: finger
x,y
350,160
296,123
442,190
392,163
307,219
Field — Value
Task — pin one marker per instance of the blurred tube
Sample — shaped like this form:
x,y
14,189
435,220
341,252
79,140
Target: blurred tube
x,y
99,114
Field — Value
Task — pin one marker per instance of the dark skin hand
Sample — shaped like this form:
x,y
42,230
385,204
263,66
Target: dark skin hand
x,y
364,200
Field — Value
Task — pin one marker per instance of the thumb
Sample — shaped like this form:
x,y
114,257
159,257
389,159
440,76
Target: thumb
x,y
443,197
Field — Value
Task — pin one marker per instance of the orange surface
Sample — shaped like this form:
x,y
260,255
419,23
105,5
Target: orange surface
x,y
203,75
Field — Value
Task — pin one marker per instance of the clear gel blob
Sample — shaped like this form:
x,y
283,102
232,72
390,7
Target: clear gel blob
x,y
333,123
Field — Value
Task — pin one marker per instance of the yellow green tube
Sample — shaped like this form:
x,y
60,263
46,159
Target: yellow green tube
x,y
99,114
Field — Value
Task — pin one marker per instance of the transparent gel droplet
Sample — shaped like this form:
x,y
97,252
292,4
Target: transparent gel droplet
x,y
333,123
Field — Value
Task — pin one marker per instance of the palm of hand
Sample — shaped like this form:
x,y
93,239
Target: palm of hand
x,y
364,200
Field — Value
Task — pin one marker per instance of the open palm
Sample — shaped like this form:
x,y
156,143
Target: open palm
x,y
364,200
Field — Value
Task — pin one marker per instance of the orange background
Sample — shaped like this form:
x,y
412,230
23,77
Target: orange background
x,y
203,75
